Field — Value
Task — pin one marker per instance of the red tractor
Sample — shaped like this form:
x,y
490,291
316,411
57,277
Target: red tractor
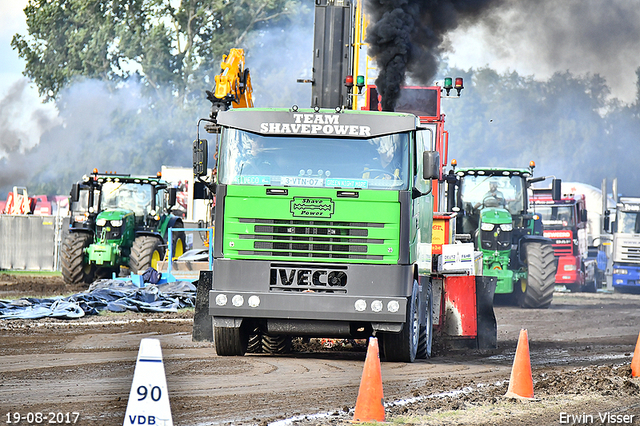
x,y
565,223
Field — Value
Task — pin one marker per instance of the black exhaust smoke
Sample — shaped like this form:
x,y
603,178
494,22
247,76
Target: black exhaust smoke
x,y
405,36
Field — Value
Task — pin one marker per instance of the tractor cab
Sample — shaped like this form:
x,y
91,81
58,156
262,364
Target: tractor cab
x,y
491,202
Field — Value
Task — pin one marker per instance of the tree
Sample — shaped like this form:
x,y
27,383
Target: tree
x,y
169,48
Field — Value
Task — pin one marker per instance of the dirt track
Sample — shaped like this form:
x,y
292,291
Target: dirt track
x,y
581,349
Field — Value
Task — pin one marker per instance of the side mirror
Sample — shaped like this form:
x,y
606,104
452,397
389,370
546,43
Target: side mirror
x,y
75,192
200,156
556,189
430,165
583,215
172,196
607,220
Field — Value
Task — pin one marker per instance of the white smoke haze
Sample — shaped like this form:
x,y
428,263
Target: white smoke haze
x,y
535,38
276,58
541,37
20,124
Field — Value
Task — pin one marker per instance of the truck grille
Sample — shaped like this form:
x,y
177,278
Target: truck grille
x,y
562,249
311,239
630,253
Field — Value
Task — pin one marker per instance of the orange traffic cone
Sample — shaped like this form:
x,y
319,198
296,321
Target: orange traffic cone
x,y
370,403
521,381
635,361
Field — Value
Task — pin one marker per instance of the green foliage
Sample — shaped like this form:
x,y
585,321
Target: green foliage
x,y
169,48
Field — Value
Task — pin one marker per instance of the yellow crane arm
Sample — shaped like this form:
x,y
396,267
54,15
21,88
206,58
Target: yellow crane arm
x,y
233,84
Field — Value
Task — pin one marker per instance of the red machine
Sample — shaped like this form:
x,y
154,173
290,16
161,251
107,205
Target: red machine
x,y
565,222
423,102
462,310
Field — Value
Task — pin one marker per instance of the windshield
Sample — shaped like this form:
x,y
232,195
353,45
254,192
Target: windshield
x,y
82,205
629,222
556,216
252,159
505,192
128,196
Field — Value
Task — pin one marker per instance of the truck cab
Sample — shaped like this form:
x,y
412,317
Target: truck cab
x,y
626,245
565,223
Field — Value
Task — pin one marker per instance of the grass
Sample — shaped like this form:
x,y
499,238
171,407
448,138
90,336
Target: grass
x,y
32,273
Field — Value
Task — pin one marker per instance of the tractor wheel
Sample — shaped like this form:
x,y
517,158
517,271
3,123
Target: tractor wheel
x,y
255,343
74,268
230,341
403,346
178,242
426,330
538,288
276,344
146,252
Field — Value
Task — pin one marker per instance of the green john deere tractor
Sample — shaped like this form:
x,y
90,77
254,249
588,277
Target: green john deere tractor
x,y
492,211
119,221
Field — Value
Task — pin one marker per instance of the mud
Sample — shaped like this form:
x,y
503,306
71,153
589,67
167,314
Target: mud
x,y
580,352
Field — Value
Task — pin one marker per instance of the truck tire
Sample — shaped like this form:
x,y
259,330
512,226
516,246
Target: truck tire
x,y
146,252
74,268
403,346
230,341
540,283
276,344
425,340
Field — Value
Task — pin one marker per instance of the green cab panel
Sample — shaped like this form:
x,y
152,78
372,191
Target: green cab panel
x,y
311,224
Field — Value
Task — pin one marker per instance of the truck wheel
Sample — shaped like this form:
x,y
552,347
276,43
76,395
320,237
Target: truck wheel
x,y
276,344
74,269
146,252
230,341
425,340
540,283
403,346
573,288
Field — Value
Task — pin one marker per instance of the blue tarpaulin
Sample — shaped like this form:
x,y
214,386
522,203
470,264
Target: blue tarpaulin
x,y
115,295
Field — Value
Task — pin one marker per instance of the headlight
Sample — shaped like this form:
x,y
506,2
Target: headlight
x,y
506,227
620,271
116,223
486,226
569,267
221,299
101,222
152,212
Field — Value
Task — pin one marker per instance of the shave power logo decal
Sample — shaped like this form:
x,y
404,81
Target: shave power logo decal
x,y
312,207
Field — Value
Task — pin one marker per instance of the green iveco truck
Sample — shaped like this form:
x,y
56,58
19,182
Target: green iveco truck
x,y
319,214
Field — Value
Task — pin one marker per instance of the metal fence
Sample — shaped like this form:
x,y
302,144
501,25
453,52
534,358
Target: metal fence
x,y
31,242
